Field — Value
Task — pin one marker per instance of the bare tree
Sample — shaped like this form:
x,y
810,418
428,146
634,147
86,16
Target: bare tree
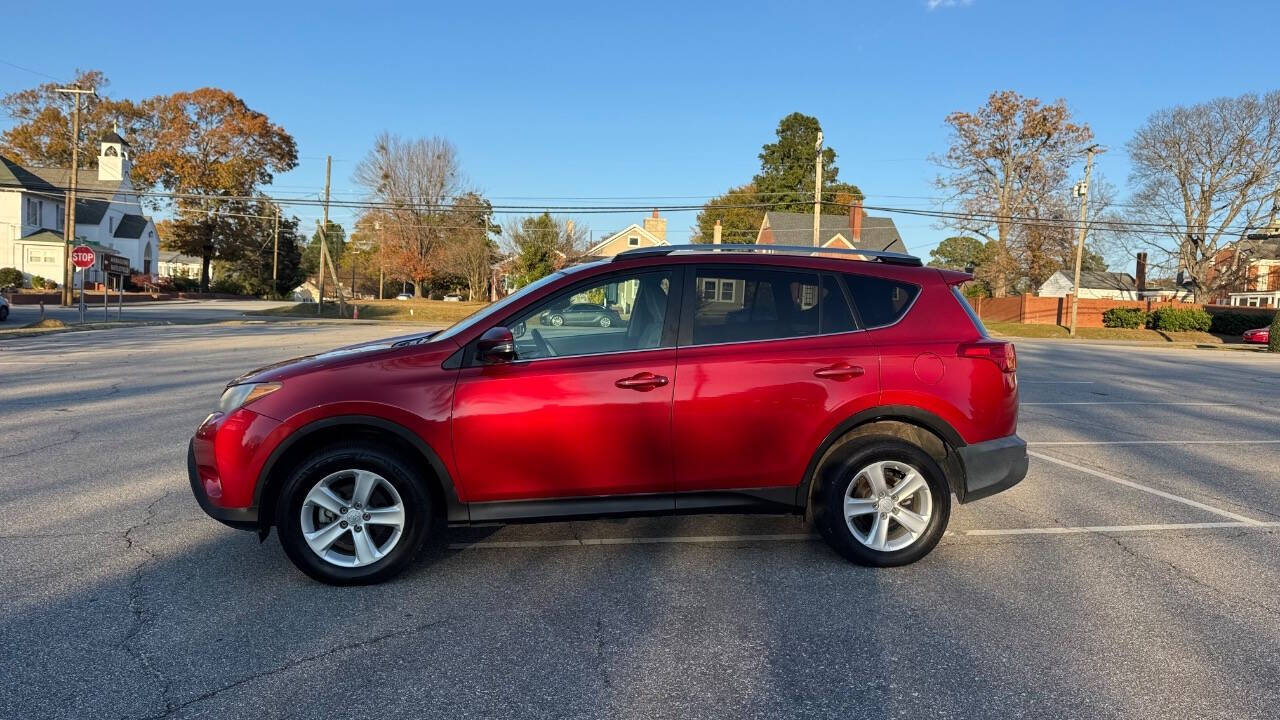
x,y
1008,161
413,183
469,250
1205,174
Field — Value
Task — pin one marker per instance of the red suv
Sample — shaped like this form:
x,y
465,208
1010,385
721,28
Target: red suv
x,y
857,388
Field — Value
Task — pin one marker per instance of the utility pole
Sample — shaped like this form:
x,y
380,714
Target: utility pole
x,y
69,232
324,231
817,188
275,250
1082,191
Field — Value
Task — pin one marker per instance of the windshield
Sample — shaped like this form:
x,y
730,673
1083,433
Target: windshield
x,y
496,308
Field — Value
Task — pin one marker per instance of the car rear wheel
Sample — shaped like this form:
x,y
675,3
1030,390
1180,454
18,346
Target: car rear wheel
x,y
883,502
4,313
605,321
557,320
352,514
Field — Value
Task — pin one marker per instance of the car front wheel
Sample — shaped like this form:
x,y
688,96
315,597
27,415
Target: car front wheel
x,y
352,514
883,502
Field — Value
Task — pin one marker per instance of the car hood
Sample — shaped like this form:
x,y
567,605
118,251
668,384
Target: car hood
x,y
307,363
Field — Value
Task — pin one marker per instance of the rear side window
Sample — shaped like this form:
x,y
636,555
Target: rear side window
x,y
742,304
880,301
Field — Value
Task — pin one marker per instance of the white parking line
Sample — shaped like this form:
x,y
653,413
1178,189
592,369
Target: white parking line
x,y
1145,488
1045,443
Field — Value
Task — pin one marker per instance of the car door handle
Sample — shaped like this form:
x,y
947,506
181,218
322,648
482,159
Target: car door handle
x,y
839,371
641,381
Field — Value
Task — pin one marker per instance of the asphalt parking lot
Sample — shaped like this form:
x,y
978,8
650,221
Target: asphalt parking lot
x,y
1133,574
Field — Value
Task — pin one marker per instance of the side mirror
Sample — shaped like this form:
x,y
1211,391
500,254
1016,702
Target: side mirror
x,y
496,345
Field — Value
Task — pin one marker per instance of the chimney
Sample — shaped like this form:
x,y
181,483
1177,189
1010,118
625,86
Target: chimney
x,y
715,238
855,221
657,226
1141,272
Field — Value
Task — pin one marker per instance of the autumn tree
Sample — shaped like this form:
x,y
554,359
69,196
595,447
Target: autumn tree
x,y
40,133
1205,174
739,213
253,234
413,182
1006,163
469,248
214,152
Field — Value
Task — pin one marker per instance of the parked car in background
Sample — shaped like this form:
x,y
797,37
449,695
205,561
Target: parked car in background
x,y
580,314
862,393
453,298
404,296
1259,335
4,309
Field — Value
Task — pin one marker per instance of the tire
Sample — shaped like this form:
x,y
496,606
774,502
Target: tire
x,y
349,558
557,320
4,314
849,473
605,321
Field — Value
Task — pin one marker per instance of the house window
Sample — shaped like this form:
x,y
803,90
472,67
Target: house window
x,y
726,291
34,208
62,217
111,225
708,289
633,241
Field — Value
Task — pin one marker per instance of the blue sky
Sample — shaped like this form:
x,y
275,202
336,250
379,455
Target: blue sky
x,y
655,101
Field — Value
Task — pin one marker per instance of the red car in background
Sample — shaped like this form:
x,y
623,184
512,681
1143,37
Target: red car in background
x,y
858,388
1260,335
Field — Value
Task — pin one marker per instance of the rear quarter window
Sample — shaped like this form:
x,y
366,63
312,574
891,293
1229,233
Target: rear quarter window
x,y
880,301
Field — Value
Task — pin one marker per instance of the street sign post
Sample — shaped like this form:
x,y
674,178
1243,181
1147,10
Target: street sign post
x,y
83,257
117,265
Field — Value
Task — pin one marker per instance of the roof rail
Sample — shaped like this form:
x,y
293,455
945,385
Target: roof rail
x,y
891,258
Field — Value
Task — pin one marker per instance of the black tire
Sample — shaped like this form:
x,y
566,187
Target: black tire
x,y
557,320
838,472
4,314
354,456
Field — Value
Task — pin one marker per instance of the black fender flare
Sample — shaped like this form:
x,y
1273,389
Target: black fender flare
x,y
455,510
901,413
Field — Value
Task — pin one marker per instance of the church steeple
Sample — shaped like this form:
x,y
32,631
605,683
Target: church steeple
x,y
113,157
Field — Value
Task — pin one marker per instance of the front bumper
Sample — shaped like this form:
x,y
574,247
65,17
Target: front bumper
x,y
993,466
239,518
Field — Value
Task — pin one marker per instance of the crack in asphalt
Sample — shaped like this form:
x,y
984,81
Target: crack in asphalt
x,y
135,600
73,436
171,708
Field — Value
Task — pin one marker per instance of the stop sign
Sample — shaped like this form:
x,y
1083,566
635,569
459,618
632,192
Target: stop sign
x,y
82,257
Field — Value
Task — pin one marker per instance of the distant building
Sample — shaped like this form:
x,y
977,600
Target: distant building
x,y
652,233
176,264
1094,285
855,231
1258,271
108,214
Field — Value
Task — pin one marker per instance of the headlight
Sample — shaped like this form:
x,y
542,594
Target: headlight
x,y
237,396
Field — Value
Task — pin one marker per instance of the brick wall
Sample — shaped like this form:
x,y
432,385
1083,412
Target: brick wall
x,y
1034,310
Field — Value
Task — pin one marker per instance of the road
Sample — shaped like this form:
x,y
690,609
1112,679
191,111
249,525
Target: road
x,y
1133,574
175,311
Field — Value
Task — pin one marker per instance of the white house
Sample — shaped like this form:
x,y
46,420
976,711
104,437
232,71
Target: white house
x,y
109,214
175,264
1093,286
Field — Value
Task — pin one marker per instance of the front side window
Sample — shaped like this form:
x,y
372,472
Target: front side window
x,y
880,301
619,313
742,304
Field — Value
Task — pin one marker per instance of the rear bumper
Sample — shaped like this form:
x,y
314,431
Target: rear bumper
x,y
993,466
239,518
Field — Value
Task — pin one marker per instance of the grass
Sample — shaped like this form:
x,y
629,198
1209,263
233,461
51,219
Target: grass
x,y
44,324
432,312
1058,331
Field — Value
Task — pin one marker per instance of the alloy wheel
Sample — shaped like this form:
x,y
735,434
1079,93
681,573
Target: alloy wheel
x,y
352,518
888,505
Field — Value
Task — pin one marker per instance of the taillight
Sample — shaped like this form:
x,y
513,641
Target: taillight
x,y
1000,353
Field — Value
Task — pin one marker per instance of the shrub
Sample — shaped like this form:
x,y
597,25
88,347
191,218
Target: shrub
x,y
1235,323
1180,320
185,284
1274,343
1125,317
10,278
50,284
228,285
37,282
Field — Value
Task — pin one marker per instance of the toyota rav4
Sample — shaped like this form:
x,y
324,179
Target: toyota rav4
x,y
856,388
